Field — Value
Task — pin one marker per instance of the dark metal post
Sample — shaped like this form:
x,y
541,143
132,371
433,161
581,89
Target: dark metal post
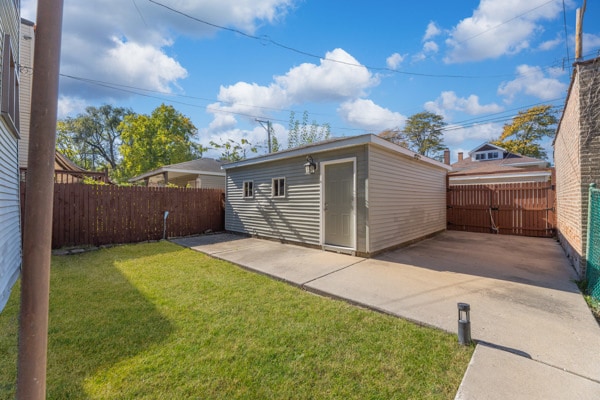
x,y
37,224
464,324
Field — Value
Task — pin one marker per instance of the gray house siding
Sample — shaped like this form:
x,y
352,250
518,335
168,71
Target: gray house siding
x,y
293,218
10,227
398,198
297,217
10,224
407,199
210,181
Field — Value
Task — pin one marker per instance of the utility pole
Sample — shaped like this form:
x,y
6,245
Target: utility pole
x,y
37,224
268,128
579,32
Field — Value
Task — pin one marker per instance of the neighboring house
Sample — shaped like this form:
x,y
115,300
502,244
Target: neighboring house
x,y
66,171
10,225
577,159
361,195
491,164
203,173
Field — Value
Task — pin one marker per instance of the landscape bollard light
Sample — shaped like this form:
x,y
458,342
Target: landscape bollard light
x,y
464,324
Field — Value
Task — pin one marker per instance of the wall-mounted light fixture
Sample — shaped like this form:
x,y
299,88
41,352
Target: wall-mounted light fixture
x,y
310,167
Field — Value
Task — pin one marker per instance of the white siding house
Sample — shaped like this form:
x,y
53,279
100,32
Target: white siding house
x,y
366,195
10,224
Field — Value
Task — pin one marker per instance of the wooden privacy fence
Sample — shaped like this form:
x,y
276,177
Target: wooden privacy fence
x,y
108,214
525,209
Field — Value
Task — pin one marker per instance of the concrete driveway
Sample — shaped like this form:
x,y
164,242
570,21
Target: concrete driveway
x,y
537,338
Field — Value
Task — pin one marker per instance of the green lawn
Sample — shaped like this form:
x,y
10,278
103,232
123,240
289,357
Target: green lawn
x,y
158,321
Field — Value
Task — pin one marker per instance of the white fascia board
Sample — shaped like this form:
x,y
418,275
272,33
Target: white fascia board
x,y
338,144
162,170
540,163
500,176
476,149
193,172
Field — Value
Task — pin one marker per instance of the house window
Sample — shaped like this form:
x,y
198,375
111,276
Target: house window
x,y
248,189
480,156
278,187
9,108
492,155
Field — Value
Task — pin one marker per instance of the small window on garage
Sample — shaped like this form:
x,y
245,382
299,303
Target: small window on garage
x,y
248,189
278,187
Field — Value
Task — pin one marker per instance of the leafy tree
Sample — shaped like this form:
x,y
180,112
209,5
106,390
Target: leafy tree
x,y
421,134
151,141
393,135
234,151
527,129
302,133
92,138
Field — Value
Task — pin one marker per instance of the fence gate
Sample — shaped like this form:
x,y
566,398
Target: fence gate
x,y
525,209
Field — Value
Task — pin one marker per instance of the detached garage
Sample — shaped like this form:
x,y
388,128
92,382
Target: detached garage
x,y
359,195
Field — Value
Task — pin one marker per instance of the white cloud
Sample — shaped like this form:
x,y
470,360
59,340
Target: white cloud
x,y
69,106
591,42
456,135
145,64
449,101
534,82
367,115
418,57
430,47
551,44
257,137
432,31
131,47
395,60
499,27
328,81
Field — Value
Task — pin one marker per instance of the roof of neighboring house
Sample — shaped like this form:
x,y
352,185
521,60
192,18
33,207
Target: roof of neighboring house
x,y
511,163
333,144
65,164
205,166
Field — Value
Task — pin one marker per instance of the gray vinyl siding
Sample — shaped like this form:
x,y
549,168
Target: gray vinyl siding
x,y
295,218
10,220
407,199
210,182
10,231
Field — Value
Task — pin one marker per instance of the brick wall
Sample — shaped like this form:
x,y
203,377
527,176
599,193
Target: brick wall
x,y
577,160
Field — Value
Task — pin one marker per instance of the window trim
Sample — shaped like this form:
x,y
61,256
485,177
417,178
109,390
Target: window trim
x,y
9,104
281,183
245,186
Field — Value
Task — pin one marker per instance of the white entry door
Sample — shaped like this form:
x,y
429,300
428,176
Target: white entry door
x,y
339,204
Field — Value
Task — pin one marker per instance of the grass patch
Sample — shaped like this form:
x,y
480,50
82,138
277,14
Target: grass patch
x,y
158,321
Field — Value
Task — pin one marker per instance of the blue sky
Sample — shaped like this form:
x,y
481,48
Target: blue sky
x,y
362,67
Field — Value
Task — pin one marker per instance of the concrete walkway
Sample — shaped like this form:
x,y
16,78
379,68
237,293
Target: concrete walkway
x,y
536,336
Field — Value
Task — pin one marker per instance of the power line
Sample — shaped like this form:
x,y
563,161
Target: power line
x,y
565,25
506,22
132,90
267,39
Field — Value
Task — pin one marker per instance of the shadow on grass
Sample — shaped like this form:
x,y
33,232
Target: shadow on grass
x,y
97,319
